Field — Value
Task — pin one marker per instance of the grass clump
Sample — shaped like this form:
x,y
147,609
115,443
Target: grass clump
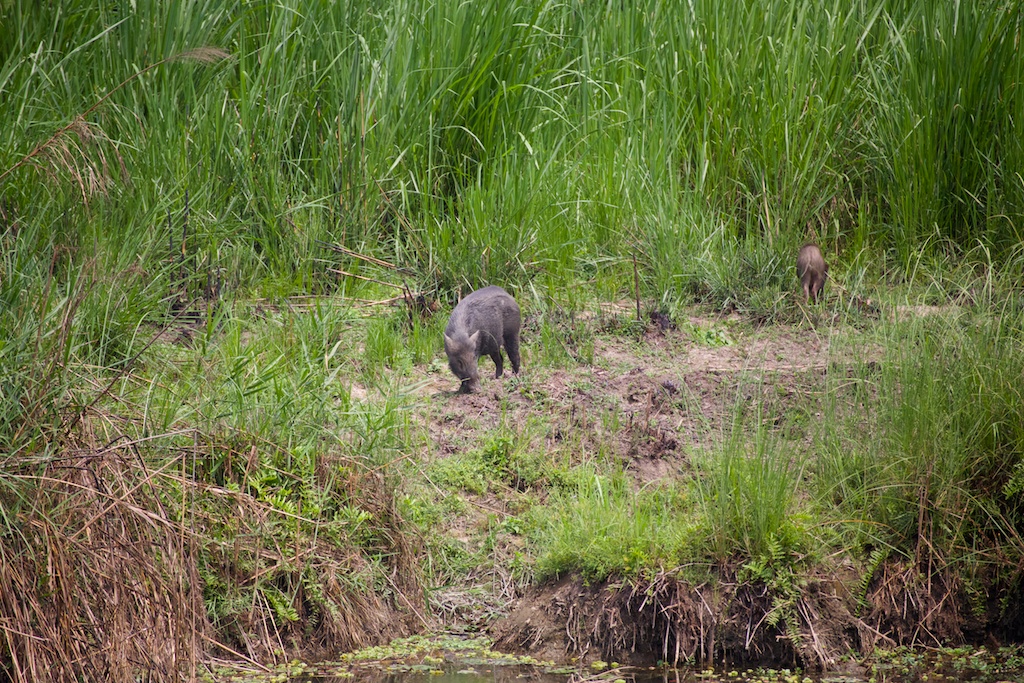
x,y
923,483
601,527
748,494
945,441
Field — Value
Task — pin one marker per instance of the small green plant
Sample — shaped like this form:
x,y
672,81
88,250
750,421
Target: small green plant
x,y
711,335
467,472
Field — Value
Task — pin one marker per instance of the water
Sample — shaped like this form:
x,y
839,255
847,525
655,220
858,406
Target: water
x,y
459,660
480,674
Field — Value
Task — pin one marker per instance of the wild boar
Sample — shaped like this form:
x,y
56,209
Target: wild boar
x,y
812,271
480,325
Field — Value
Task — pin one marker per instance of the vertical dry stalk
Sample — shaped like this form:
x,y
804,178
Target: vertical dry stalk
x,y
92,588
636,286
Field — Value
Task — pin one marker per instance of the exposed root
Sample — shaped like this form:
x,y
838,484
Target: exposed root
x,y
669,619
915,607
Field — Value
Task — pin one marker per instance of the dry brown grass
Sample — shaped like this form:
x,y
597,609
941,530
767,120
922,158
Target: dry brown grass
x,y
101,551
99,579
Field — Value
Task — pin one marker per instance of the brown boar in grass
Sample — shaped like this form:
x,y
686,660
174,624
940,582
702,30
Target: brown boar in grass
x,y
812,271
480,325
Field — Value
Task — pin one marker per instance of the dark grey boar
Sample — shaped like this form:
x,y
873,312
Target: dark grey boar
x,y
480,325
812,271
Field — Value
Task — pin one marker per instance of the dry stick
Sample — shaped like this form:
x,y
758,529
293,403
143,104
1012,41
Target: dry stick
x,y
182,269
281,562
181,536
203,54
360,277
890,641
362,303
816,645
369,259
234,652
402,595
110,448
153,518
118,501
636,286
362,160
266,612
131,361
410,303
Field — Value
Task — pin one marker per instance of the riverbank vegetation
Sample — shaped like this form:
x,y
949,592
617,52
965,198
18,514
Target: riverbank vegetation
x,y
230,234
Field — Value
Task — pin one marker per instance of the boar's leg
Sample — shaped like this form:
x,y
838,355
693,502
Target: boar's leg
x,y
498,363
512,349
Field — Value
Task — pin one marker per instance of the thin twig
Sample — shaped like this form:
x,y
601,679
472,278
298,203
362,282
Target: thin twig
x,y
118,501
234,652
368,279
636,286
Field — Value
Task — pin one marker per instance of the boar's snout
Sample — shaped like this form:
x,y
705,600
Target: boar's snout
x,y
462,362
470,385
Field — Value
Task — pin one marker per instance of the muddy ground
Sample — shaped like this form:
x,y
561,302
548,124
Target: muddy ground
x,y
670,393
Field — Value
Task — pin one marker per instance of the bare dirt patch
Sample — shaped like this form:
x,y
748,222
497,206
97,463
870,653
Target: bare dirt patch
x,y
654,399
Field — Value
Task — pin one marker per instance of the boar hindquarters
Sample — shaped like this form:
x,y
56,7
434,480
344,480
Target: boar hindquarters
x,y
481,324
811,269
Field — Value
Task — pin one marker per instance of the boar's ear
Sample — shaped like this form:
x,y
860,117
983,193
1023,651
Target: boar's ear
x,y
447,341
474,337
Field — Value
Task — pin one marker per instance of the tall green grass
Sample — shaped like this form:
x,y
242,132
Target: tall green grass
x,y
933,466
749,496
499,142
